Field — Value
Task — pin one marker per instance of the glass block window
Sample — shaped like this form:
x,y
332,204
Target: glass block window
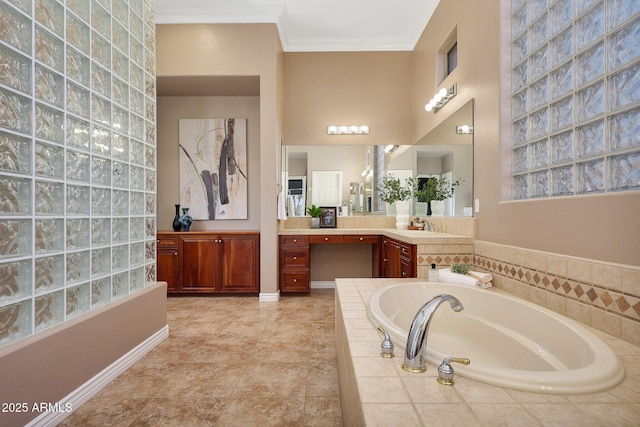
x,y
575,97
77,158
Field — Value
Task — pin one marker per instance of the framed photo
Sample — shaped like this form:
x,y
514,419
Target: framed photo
x,y
328,217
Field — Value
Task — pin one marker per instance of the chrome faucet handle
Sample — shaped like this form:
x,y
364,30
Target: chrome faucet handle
x,y
386,347
446,372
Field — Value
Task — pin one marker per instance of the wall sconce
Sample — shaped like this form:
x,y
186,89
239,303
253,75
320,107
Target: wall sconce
x,y
464,129
441,98
390,148
348,130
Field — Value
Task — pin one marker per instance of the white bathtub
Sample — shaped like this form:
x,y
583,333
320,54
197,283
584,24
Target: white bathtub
x,y
510,342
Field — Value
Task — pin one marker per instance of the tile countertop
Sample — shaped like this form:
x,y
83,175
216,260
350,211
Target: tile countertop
x,y
414,237
391,396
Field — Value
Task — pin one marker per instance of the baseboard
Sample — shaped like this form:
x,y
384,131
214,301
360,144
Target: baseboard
x,y
269,297
89,389
323,284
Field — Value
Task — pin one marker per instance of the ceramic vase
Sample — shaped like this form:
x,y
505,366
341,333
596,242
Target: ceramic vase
x,y
185,219
315,222
176,225
402,214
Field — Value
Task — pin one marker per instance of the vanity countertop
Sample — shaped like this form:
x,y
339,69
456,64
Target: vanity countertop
x,y
414,237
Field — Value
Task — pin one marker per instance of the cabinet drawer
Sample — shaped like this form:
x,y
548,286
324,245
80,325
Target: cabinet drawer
x,y
360,239
326,239
167,241
301,241
292,257
406,249
294,281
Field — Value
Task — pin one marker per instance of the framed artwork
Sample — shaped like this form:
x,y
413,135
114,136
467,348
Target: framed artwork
x,y
213,168
328,217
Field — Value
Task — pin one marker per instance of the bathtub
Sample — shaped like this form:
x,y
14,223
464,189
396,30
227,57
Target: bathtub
x,y
510,342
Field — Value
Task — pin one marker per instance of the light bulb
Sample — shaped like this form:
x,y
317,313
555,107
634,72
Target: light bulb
x,y
428,107
443,92
437,97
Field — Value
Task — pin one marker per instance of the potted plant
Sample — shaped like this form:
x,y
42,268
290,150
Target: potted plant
x,y
315,213
393,191
437,189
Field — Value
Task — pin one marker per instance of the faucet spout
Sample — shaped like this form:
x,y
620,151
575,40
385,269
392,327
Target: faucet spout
x,y
414,355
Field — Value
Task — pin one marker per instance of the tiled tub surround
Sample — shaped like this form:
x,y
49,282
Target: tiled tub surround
x,y
605,296
376,391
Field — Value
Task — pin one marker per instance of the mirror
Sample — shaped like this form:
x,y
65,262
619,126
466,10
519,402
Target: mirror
x,y
442,152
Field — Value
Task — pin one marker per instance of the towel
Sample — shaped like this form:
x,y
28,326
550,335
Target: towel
x,y
448,276
282,212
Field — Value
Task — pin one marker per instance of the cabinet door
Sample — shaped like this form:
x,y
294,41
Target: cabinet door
x,y
391,258
199,266
239,263
168,268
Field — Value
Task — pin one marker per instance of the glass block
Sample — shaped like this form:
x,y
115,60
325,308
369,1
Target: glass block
x,y
136,228
535,8
16,153
150,227
16,321
100,80
49,273
49,86
80,8
520,131
136,76
120,230
150,13
23,5
623,46
78,166
78,200
590,139
136,203
120,120
539,183
100,231
136,257
562,114
100,262
100,292
589,64
120,9
50,14
100,171
589,27
539,121
101,110
120,92
101,141
120,175
15,111
15,28
78,100
538,93
590,177
538,63
150,133
538,32
120,285
137,101
521,187
521,159
624,87
136,126
15,280
136,279
150,40
49,310
120,147
150,110
15,196
624,130
561,47
149,66
101,20
624,171
101,201
539,154
150,274
150,86
49,49
150,204
49,123
120,203
101,50
560,14
49,198
78,300
120,260
589,102
15,70
49,235
150,180
15,238
582,5
78,34
150,250
150,157
620,10
562,147
120,64
136,26
562,181
120,37
49,160
78,233
136,54
561,81
78,267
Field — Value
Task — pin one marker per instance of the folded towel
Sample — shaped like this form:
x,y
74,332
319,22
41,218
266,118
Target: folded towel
x,y
282,213
448,276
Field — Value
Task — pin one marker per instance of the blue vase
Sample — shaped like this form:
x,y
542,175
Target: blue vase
x,y
185,219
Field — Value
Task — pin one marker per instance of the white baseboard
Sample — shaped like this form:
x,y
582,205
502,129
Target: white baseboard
x,y
322,284
269,297
89,389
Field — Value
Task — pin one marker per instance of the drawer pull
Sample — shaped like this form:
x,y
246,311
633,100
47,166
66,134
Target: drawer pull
x,y
175,253
295,280
361,239
326,238
295,257
295,240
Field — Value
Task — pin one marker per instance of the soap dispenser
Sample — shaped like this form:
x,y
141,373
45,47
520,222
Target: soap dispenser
x,y
434,276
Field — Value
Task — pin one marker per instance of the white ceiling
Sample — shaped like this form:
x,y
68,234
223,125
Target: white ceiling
x,y
315,25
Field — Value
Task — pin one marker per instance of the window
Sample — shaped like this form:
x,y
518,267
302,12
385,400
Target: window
x,y
575,97
452,58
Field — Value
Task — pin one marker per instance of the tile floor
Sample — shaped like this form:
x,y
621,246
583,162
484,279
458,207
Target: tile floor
x,y
230,361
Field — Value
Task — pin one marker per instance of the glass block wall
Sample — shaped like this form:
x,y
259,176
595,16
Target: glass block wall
x,y
77,158
575,97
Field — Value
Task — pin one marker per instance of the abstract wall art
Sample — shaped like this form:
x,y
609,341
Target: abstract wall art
x,y
213,168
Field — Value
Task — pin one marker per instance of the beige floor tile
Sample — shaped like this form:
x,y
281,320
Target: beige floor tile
x,y
322,412
507,415
262,411
180,412
106,411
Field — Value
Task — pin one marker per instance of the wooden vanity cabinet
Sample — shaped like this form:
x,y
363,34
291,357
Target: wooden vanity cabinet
x,y
398,259
168,261
294,263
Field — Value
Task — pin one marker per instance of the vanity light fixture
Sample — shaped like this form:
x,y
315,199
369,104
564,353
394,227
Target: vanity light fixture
x,y
390,148
366,172
464,129
348,130
441,98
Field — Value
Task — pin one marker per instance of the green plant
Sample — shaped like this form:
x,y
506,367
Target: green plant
x,y
314,211
436,189
391,189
